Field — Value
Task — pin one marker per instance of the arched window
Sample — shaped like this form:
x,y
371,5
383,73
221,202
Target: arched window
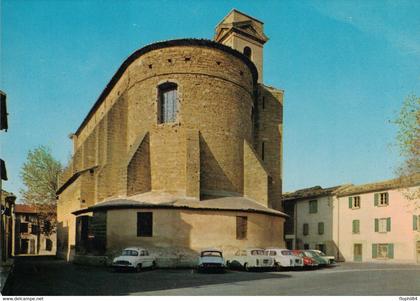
x,y
167,102
247,52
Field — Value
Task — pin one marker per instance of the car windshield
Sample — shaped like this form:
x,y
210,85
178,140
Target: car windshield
x,y
130,253
211,254
257,252
310,254
321,253
286,253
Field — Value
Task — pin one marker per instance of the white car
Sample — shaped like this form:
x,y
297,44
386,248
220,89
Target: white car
x,y
249,259
211,260
134,258
329,259
283,258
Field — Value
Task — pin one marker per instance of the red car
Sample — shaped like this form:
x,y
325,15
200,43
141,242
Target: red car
x,y
307,261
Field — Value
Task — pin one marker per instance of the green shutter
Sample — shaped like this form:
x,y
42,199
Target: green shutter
x,y
374,250
357,226
388,224
376,225
320,228
350,202
415,222
354,226
391,251
376,199
387,198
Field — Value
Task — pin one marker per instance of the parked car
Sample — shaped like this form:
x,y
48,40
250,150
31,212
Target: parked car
x,y
211,260
314,256
134,258
283,258
329,259
308,262
249,259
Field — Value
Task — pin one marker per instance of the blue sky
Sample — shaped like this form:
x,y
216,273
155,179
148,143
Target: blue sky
x,y
345,66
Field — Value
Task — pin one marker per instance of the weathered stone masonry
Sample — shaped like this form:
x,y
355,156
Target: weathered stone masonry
x,y
224,143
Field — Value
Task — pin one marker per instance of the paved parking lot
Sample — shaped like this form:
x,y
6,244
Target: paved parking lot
x,y
49,276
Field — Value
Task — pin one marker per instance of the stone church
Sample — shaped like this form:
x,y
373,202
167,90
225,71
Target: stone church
x,y
181,151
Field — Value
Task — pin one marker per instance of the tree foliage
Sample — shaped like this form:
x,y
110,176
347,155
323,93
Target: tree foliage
x,y
39,175
408,141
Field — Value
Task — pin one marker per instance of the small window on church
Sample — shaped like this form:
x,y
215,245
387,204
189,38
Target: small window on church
x,y
167,102
247,52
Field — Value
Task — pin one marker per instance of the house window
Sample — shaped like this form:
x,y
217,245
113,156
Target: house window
x,y
145,224
313,206
322,248
247,52
34,229
305,229
356,226
383,225
381,199
383,251
167,102
354,202
24,228
416,222
306,246
241,227
320,228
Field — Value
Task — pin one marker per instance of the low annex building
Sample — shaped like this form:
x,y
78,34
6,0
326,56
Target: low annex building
x,y
182,151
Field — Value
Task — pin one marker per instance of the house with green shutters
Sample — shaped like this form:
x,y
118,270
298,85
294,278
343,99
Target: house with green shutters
x,y
379,222
375,222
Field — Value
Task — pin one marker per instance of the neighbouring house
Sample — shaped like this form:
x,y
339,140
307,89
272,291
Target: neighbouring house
x,y
6,199
6,224
370,222
311,212
378,222
29,236
181,151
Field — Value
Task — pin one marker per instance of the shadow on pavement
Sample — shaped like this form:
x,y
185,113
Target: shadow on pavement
x,y
44,276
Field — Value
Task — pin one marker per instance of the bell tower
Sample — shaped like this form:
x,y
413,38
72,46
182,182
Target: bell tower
x,y
244,34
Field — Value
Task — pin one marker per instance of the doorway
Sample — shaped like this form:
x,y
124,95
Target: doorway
x,y
357,252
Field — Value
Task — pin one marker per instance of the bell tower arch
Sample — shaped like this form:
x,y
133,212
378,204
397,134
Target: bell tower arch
x,y
244,34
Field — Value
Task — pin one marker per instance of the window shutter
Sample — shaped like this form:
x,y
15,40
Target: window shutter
x,y
391,251
388,224
357,226
320,228
374,250
354,226
387,198
350,202
376,225
376,197
415,222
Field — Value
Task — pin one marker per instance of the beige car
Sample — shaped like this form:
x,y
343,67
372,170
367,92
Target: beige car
x,y
252,258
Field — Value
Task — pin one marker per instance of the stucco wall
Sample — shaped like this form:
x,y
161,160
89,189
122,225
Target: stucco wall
x,y
400,210
324,214
67,202
178,231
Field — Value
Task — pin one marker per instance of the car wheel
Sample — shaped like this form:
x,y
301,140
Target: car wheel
x,y
228,264
138,268
246,268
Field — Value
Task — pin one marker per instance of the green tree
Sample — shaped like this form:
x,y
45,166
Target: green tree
x,y
39,175
408,141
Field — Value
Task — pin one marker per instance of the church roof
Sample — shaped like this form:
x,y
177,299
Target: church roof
x,y
173,201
